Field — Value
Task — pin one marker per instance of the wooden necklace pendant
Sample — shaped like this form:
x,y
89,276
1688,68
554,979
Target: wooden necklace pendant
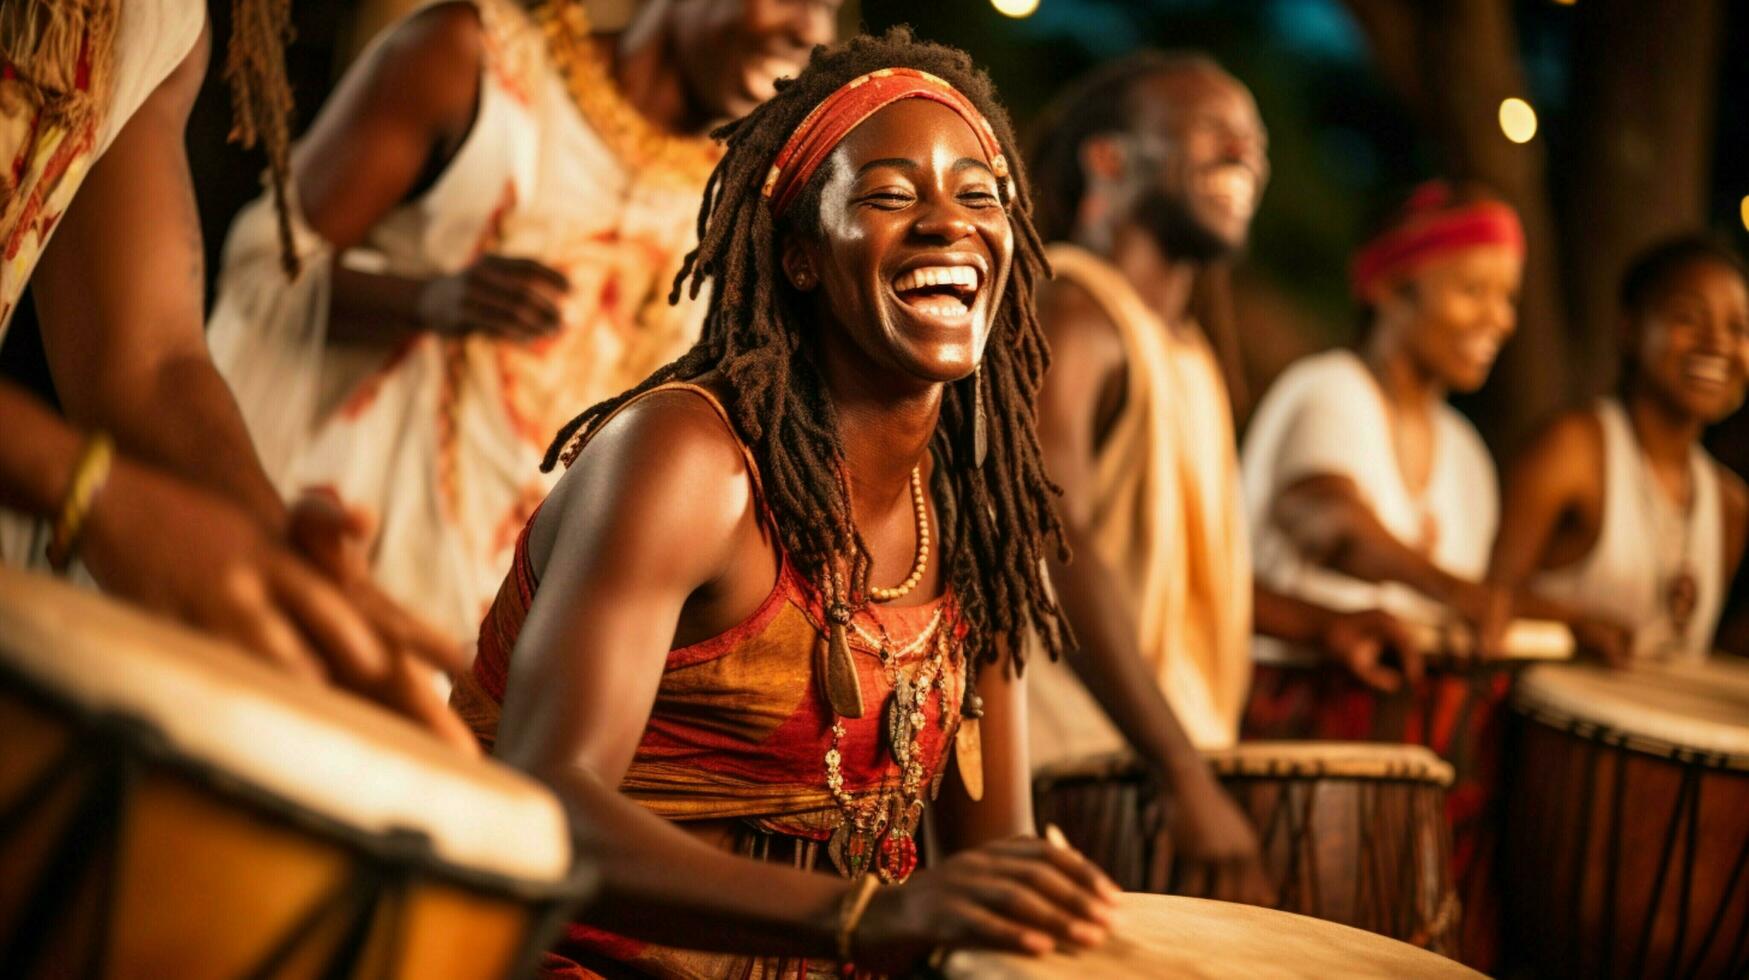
x,y
835,665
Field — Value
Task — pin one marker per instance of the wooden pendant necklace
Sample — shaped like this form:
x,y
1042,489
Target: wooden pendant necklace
x,y
1678,589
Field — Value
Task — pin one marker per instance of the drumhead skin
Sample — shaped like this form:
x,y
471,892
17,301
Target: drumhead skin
x,y
1665,709
1170,936
329,754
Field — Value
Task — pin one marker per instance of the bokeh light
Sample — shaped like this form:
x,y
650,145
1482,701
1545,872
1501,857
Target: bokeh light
x,y
1517,120
1744,208
1015,8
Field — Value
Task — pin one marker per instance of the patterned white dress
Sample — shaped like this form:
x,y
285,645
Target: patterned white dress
x,y
441,438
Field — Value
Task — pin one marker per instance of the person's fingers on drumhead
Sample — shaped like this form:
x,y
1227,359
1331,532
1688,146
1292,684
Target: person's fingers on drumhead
x,y
1019,902
408,632
1066,859
1380,678
250,619
974,925
414,695
1409,652
1056,885
343,638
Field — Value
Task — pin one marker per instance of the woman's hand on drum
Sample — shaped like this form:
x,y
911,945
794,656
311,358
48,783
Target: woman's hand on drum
x,y
331,536
1215,848
1360,642
1022,895
1487,609
1604,640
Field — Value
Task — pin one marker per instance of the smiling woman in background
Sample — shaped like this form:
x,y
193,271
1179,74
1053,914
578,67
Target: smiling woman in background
x,y
1615,515
1365,488
783,578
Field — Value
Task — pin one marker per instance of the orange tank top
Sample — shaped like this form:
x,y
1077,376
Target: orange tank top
x,y
740,727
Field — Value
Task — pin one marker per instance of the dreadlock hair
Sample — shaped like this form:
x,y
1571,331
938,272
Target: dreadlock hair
x,y
1103,101
261,99
999,519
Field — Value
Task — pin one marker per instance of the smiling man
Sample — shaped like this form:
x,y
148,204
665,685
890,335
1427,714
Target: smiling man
x,y
1149,170
493,207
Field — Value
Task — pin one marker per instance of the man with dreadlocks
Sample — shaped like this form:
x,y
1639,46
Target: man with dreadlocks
x,y
1149,170
786,579
490,211
161,496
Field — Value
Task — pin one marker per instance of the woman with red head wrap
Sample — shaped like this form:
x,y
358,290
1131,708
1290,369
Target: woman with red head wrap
x,y
776,601
1366,489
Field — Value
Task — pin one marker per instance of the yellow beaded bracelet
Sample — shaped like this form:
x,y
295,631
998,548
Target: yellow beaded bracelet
x,y
89,475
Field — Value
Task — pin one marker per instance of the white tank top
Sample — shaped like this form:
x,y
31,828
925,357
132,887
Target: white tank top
x,y
1643,541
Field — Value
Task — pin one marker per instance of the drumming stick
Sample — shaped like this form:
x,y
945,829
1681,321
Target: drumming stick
x,y
1525,639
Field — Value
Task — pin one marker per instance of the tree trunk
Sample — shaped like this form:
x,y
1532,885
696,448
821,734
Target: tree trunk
x,y
1643,102
1453,63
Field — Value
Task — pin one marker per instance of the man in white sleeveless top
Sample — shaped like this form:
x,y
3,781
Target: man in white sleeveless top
x,y
491,210
1152,168
97,215
1618,520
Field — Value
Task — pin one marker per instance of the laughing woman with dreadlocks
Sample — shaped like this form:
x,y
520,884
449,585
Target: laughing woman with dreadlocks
x,y
779,590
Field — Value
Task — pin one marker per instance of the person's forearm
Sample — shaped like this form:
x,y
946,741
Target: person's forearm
x,y
1286,617
372,307
1342,533
193,429
661,885
1111,667
37,456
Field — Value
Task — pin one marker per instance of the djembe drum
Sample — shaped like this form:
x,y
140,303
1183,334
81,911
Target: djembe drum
x,y
1458,710
169,808
1171,936
1352,832
1629,833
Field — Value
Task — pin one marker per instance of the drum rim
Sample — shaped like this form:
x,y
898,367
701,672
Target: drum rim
x,y
1236,763
409,846
1533,705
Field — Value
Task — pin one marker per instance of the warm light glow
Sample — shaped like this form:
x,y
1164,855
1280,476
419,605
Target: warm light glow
x,y
1517,120
1566,3
1015,8
1745,210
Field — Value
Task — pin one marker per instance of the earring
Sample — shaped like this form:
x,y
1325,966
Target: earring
x,y
980,444
804,280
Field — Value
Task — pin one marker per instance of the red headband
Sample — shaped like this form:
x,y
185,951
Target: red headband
x,y
1432,229
845,109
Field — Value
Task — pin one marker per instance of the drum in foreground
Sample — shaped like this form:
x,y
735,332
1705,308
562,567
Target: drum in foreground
x,y
1629,833
1171,936
169,808
1352,832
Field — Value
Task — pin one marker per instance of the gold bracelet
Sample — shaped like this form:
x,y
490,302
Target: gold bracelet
x,y
850,913
89,474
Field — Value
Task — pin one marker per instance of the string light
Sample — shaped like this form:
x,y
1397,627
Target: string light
x,y
1517,120
1015,8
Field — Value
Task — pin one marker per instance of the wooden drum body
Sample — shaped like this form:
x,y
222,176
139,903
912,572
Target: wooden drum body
x,y
169,808
1353,833
1170,936
1629,836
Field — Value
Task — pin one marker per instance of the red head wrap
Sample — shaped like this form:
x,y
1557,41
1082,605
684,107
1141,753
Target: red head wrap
x,y
1432,227
845,109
